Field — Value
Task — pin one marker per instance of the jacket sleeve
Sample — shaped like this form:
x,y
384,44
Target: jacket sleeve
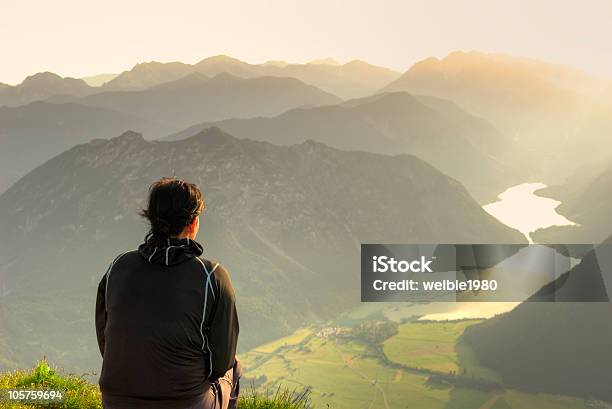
x,y
101,313
223,326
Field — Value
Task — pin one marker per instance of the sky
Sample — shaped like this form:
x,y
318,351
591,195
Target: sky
x,y
84,37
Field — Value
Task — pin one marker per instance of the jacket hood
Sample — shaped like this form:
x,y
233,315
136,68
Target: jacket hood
x,y
171,251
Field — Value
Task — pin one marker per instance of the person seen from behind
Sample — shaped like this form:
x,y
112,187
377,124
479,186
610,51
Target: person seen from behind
x,y
166,318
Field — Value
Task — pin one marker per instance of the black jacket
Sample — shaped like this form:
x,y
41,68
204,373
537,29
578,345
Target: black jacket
x,y
167,326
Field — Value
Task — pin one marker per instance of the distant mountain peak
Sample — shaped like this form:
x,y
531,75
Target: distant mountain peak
x,y
220,59
357,62
428,61
98,80
46,79
145,64
130,135
211,136
311,146
190,80
275,63
325,61
462,54
41,86
41,76
224,77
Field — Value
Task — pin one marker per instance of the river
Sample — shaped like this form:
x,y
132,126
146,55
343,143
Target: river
x,y
520,208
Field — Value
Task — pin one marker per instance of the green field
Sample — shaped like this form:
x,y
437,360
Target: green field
x,y
347,374
430,346
434,346
297,337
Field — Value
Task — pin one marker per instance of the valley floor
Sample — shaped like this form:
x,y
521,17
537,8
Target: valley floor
x,y
423,366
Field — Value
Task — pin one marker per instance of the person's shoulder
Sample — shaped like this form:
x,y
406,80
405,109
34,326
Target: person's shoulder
x,y
126,256
221,274
119,261
217,269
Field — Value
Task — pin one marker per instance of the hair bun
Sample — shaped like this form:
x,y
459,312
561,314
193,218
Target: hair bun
x,y
162,226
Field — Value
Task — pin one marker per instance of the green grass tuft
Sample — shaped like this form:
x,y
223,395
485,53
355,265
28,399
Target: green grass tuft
x,y
80,394
280,399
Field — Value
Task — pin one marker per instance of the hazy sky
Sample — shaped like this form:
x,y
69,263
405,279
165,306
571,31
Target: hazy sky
x,y
81,37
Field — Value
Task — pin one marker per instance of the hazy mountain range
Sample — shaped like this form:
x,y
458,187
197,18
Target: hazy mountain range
x,y
283,219
41,86
51,128
351,80
512,92
556,112
436,130
31,134
196,97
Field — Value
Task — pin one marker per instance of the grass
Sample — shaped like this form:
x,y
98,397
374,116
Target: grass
x,y
297,337
427,345
345,374
435,346
281,399
332,373
342,376
80,394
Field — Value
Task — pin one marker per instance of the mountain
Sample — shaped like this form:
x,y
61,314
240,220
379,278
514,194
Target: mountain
x,y
99,79
325,61
354,79
544,107
150,74
437,131
275,63
560,347
155,112
146,75
195,98
287,222
219,64
507,90
42,86
31,134
350,80
586,200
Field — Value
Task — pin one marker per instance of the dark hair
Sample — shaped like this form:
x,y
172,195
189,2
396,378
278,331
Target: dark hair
x,y
173,205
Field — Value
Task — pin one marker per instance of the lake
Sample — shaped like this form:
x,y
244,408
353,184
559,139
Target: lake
x,y
520,208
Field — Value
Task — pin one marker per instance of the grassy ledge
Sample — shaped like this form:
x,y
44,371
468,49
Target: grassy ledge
x,y
81,394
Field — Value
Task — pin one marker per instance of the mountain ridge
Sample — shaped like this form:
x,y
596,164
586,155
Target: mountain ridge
x,y
352,79
560,346
190,99
280,218
41,86
395,123
53,128
548,109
